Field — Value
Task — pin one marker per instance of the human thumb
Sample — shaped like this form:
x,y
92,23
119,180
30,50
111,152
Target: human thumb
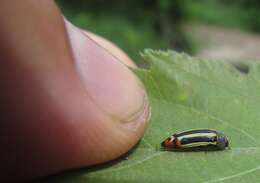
x,y
60,113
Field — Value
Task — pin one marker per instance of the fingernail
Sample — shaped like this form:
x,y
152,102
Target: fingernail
x,y
108,82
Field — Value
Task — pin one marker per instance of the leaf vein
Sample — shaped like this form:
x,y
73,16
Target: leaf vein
x,y
234,176
132,164
147,143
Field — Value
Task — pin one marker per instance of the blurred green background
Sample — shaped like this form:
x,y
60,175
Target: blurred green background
x,y
159,24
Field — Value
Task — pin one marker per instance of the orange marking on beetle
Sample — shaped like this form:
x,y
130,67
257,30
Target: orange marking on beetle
x,y
178,143
167,142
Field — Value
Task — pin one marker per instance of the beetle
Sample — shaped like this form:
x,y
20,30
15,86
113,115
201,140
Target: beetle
x,y
196,140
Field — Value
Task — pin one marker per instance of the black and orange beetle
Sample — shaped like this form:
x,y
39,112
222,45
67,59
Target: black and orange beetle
x,y
201,139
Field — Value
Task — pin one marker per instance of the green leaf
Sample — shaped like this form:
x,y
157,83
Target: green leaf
x,y
188,93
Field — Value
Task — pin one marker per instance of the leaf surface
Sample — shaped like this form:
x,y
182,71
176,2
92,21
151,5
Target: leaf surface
x,y
188,93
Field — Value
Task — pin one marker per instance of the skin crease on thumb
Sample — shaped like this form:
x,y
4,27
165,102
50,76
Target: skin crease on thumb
x,y
116,94
63,114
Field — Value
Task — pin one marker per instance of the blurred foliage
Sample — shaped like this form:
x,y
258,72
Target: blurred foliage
x,y
158,24
132,25
251,9
242,14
